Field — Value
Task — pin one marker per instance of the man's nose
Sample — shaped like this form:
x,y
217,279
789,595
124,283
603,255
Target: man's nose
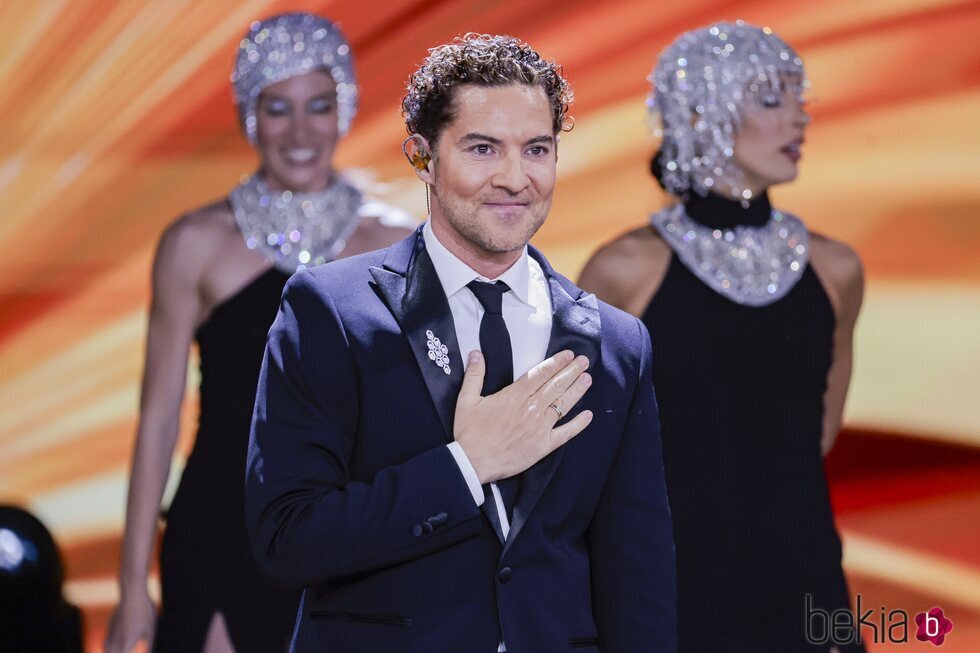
x,y
510,174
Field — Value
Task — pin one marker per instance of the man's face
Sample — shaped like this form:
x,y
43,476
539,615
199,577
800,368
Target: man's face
x,y
494,170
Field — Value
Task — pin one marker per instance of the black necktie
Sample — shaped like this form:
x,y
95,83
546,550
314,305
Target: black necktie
x,y
499,357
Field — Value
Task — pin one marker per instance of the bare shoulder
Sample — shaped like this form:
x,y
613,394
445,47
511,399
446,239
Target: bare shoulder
x,y
836,260
616,259
626,271
189,242
839,268
384,229
375,233
835,253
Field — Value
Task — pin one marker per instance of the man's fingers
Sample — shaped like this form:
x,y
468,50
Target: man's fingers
x,y
472,386
566,402
551,391
570,429
544,371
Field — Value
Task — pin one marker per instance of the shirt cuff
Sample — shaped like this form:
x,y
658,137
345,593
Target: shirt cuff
x,y
469,474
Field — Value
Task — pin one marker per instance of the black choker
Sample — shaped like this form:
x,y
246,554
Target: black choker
x,y
717,212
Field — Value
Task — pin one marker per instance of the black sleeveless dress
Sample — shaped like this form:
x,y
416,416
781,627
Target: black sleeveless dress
x,y
206,563
740,391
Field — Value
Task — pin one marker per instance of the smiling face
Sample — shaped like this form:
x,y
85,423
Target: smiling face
x,y
768,142
493,173
296,127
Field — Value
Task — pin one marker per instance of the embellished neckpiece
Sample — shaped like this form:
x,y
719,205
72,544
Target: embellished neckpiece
x,y
752,256
295,230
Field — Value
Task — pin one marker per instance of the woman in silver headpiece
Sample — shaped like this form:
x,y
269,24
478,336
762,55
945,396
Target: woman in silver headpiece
x,y
217,279
752,319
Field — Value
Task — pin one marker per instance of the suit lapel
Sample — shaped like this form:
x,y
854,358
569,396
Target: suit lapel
x,y
410,287
575,326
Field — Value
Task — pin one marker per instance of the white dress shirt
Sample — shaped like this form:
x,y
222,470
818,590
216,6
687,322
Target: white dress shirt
x,y
526,308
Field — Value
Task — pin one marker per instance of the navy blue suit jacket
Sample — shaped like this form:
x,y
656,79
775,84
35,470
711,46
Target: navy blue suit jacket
x,y
352,493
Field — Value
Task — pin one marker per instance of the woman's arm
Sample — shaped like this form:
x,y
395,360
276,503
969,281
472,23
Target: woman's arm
x,y
174,310
839,269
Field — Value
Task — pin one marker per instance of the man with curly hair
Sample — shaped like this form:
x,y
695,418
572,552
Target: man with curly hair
x,y
514,502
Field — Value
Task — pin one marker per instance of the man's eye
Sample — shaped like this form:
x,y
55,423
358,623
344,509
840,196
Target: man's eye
x,y
538,150
482,148
321,106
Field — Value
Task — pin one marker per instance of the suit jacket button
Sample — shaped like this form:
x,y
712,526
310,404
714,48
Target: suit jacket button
x,y
441,518
504,575
417,530
427,527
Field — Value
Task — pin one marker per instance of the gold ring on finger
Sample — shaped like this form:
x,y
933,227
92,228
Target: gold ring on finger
x,y
557,410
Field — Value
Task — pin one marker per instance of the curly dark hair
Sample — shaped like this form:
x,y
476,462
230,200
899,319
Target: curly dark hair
x,y
485,60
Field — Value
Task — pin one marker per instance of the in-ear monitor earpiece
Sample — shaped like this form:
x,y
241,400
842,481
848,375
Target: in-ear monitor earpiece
x,y
421,160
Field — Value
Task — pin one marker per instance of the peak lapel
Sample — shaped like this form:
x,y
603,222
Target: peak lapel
x,y
575,326
410,287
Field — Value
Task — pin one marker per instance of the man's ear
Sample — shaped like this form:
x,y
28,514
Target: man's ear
x,y
419,154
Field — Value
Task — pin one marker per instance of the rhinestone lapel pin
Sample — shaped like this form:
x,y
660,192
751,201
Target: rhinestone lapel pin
x,y
438,352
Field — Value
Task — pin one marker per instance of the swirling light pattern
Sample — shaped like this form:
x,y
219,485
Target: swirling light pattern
x,y
118,116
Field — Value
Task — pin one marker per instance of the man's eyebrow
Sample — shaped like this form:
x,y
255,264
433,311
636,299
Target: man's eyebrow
x,y
474,136
550,140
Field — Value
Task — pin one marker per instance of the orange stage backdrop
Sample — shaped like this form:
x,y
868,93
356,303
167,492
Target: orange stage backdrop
x,y
117,117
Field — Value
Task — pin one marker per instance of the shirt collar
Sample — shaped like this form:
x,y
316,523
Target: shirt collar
x,y
454,274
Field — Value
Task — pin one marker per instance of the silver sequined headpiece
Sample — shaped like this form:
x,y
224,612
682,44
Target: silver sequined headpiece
x,y
699,83
285,46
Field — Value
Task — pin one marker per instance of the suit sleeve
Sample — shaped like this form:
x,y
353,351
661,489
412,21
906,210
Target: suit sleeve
x,y
306,520
631,537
